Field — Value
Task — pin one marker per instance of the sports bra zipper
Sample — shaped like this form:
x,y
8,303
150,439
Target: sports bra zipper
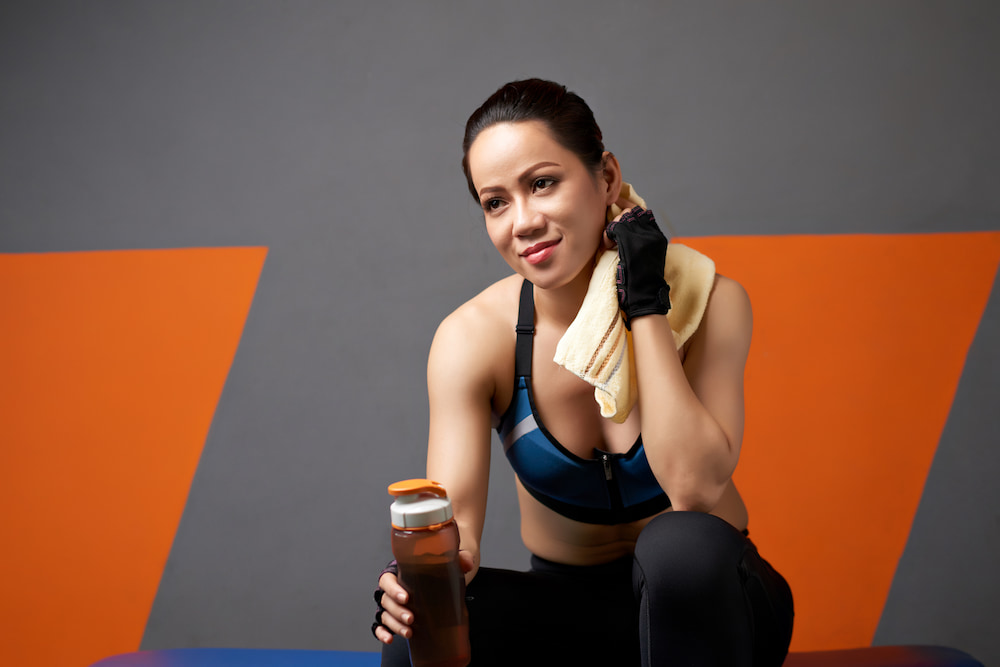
x,y
611,481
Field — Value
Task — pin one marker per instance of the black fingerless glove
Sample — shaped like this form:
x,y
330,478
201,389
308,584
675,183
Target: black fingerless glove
x,y
642,250
394,569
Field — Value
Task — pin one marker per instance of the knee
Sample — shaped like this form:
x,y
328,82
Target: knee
x,y
687,554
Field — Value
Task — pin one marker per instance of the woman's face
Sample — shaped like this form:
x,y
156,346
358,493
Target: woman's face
x,y
544,209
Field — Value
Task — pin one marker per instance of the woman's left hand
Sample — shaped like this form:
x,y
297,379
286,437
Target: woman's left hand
x,y
642,250
625,205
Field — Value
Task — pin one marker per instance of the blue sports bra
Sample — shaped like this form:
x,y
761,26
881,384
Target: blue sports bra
x,y
607,489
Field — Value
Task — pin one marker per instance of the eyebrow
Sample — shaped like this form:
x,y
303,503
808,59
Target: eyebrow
x,y
523,177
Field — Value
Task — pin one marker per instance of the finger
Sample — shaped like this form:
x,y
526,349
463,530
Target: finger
x,y
627,208
397,621
607,241
466,561
396,616
383,635
388,583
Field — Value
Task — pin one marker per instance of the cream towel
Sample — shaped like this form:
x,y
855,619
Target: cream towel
x,y
598,348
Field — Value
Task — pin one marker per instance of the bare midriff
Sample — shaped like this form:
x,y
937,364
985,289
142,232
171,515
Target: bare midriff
x,y
554,537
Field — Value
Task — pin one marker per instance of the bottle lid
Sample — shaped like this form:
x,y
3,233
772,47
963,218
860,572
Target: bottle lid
x,y
419,503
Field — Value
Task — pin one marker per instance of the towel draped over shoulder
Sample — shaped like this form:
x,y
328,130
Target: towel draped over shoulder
x,y
598,348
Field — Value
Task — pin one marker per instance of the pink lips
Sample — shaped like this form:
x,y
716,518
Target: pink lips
x,y
539,252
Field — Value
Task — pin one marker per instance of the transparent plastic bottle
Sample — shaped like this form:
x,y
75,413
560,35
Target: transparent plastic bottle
x,y
425,544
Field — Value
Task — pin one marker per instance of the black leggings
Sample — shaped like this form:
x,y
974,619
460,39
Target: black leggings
x,y
696,593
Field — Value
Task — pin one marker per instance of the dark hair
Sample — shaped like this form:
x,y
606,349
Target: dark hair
x,y
567,116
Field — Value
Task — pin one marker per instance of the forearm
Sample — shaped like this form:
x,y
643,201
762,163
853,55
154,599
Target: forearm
x,y
688,449
467,491
469,546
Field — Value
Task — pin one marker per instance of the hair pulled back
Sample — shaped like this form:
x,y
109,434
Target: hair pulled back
x,y
566,115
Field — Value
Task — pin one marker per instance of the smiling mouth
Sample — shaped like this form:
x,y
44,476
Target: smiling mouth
x,y
539,252
538,247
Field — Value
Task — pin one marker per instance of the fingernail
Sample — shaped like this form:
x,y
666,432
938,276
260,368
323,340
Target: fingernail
x,y
407,618
401,597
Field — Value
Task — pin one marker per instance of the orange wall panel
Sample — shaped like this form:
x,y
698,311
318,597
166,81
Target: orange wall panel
x,y
112,365
859,343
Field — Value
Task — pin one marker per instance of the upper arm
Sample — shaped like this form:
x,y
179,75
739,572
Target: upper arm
x,y
460,386
717,357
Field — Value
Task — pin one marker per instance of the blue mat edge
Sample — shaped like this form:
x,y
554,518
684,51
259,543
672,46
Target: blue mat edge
x,y
920,655
241,657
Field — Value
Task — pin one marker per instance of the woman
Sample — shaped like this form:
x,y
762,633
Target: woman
x,y
648,563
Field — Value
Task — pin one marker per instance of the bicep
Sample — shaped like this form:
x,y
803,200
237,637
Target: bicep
x,y
458,452
717,357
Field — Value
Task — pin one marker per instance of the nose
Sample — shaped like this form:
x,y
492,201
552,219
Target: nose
x,y
528,220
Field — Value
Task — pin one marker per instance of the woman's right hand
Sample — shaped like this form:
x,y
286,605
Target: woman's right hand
x,y
396,618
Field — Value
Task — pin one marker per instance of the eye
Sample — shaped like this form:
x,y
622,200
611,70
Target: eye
x,y
543,183
492,204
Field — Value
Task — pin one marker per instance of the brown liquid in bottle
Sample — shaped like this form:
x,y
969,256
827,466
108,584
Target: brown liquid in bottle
x,y
429,570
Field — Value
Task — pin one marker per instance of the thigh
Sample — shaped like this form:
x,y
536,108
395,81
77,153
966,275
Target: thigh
x,y
770,600
693,610
561,615
551,615
396,654
556,615
706,596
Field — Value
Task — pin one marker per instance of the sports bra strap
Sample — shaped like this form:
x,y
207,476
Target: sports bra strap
x,y
525,331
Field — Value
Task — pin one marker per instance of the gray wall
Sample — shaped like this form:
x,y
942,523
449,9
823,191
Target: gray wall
x,y
329,132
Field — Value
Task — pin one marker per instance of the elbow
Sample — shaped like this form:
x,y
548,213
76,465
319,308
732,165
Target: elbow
x,y
694,501
691,494
697,483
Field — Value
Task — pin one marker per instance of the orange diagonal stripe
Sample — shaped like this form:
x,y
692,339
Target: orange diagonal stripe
x,y
112,365
859,343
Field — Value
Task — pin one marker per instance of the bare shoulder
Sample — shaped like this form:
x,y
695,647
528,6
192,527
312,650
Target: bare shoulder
x,y
730,298
485,315
473,342
728,319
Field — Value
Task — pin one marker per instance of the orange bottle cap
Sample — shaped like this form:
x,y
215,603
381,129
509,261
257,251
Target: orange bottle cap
x,y
420,503
409,487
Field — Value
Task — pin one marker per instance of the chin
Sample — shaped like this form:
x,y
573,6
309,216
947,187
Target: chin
x,y
553,279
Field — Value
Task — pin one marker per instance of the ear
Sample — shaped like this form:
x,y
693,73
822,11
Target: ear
x,y
610,178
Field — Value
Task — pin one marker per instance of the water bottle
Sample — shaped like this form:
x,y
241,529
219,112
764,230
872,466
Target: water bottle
x,y
425,544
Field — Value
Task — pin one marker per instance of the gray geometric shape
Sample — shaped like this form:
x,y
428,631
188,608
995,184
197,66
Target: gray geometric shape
x,y
330,133
946,589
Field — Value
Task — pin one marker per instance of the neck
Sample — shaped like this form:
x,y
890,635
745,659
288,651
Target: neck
x,y
560,305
